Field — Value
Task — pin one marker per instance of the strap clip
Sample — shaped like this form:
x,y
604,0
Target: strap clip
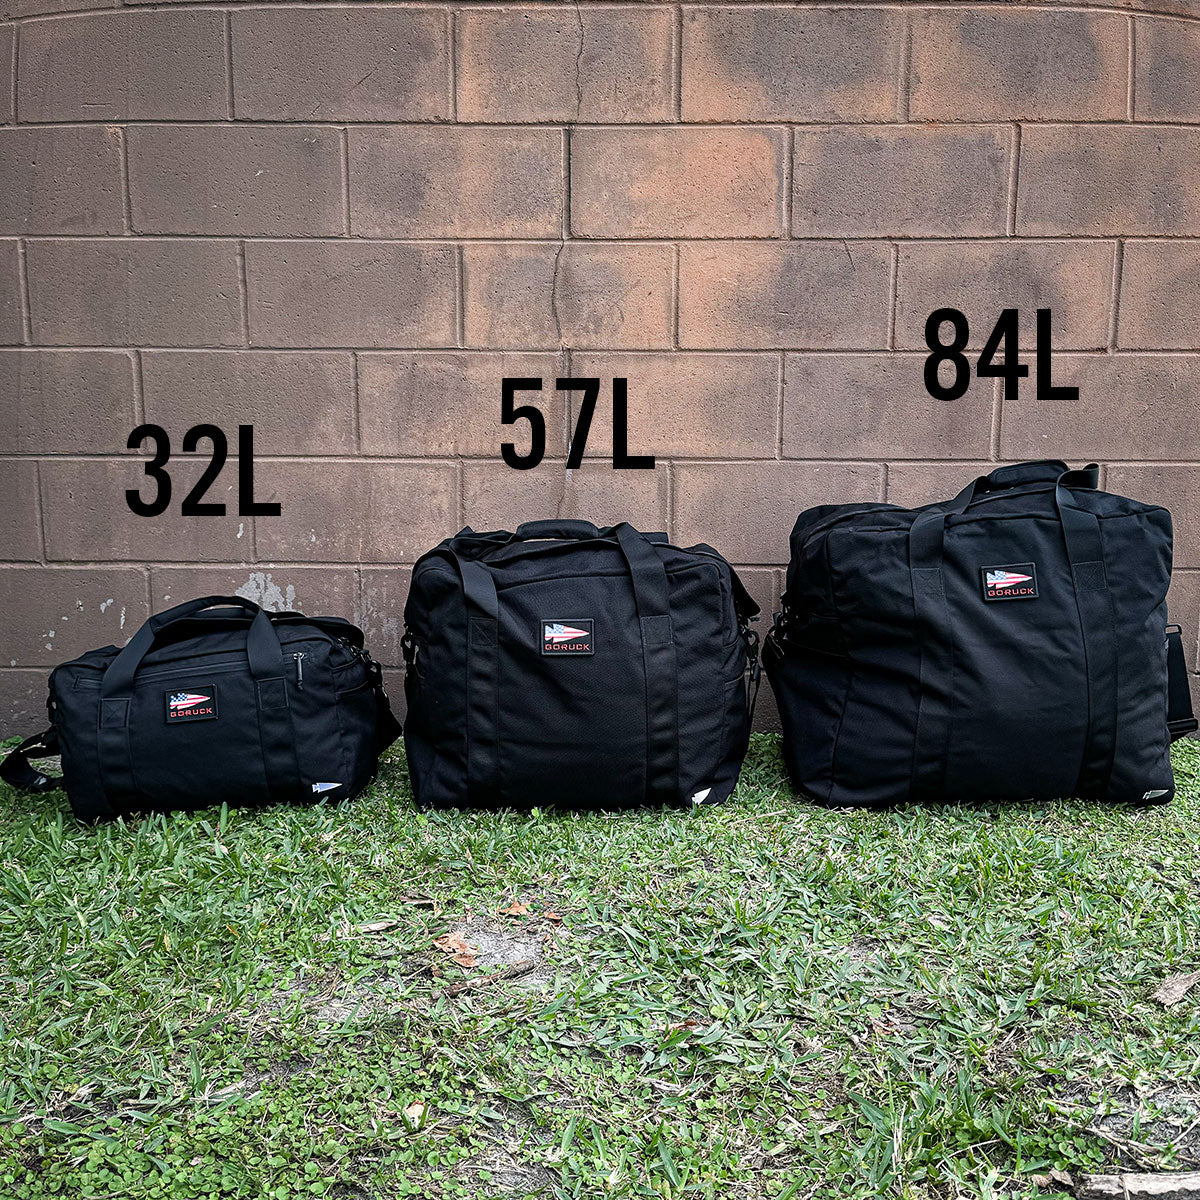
x,y
754,661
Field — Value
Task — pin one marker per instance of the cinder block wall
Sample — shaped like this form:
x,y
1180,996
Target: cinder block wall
x,y
346,224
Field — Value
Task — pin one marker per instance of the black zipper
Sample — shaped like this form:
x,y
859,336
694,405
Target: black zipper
x,y
299,657
148,676
102,667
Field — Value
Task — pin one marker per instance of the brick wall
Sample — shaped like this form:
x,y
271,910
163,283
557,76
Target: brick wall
x,y
346,224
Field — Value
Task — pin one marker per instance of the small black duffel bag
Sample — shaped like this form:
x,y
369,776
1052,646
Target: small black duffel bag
x,y
566,664
1009,643
210,703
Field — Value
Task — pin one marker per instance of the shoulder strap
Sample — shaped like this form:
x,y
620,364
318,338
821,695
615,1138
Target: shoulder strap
x,y
17,771
1180,721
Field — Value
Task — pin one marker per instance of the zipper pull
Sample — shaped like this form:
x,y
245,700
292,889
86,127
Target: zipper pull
x,y
299,657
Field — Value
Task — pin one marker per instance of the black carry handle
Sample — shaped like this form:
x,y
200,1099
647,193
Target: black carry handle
x,y
17,771
1045,470
262,646
928,530
558,527
1180,721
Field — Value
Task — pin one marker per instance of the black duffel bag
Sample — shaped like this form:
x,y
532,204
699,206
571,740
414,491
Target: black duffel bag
x,y
1009,643
210,703
566,664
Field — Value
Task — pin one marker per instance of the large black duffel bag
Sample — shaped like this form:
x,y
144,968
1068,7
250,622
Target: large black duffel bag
x,y
566,664
213,700
1008,643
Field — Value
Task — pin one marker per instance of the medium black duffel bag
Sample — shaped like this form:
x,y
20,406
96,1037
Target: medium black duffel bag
x,y
1009,643
566,664
212,704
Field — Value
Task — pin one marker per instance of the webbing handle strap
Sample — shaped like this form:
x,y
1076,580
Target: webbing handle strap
x,y
1098,630
659,663
482,729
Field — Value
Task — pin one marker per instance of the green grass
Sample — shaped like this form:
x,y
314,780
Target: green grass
x,y
759,999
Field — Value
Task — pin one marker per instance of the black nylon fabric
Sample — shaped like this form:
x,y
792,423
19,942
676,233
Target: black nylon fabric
x,y
298,714
898,678
655,711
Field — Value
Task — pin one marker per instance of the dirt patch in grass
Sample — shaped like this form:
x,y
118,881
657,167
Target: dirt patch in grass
x,y
514,950
504,1167
510,945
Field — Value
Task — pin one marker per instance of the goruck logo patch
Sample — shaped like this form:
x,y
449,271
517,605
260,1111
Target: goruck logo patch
x,y
567,637
196,704
1014,581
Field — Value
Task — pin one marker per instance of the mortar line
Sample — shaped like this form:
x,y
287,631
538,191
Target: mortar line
x,y
893,294
677,63
789,178
43,547
126,190
26,304
1131,68
349,458
741,123
1115,299
139,389
460,296
564,231
453,34
1014,168
565,223
244,291
461,495
447,240
228,28
874,351
676,255
885,481
355,403
781,394
15,64
345,140
1109,7
997,417
565,365
670,466
904,82
148,581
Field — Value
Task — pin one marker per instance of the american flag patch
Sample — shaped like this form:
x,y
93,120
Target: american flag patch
x,y
1012,581
561,637
195,704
